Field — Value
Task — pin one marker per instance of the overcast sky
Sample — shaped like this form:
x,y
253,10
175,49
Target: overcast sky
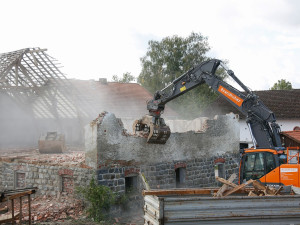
x,y
93,39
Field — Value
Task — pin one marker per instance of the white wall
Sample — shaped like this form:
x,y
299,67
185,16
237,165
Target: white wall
x,y
177,126
285,125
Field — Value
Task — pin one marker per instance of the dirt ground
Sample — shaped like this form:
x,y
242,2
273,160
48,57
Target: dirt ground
x,y
65,209
47,210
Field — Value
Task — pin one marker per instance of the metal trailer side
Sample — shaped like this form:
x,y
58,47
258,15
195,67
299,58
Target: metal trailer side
x,y
163,210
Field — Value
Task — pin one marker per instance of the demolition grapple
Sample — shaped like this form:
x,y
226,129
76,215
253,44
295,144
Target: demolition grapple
x,y
154,128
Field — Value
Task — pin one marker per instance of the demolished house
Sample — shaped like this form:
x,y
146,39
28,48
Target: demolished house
x,y
94,119
188,159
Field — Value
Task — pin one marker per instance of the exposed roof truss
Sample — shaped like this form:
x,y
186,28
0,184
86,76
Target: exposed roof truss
x,y
31,77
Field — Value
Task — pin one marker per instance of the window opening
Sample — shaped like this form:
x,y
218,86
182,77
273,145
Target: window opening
x,y
293,156
20,180
67,184
220,170
270,163
180,176
254,166
282,159
130,184
244,145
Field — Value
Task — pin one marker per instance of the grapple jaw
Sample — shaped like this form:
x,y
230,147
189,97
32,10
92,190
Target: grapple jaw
x,y
154,128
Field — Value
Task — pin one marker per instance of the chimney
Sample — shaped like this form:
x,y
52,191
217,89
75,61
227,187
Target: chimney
x,y
103,80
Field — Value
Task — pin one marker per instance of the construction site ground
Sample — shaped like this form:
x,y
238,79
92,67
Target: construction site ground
x,y
64,209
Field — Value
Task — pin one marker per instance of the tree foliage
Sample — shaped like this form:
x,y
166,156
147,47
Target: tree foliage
x,y
126,78
169,58
282,85
100,199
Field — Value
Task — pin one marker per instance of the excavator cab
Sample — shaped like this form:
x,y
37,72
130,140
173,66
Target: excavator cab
x,y
255,163
270,166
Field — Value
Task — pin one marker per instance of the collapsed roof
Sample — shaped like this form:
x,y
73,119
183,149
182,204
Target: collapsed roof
x,y
32,78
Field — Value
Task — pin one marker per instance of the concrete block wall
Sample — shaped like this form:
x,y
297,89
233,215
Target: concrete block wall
x,y
50,180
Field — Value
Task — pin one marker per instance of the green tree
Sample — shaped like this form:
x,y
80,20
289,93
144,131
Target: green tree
x,y
169,58
100,199
127,78
282,85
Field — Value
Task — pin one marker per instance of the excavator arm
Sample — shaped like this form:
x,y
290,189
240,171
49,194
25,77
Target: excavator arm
x,y
261,120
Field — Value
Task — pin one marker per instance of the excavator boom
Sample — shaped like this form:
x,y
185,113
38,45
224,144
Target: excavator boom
x,y
261,120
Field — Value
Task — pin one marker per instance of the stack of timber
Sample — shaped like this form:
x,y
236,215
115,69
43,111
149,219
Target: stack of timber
x,y
248,203
259,189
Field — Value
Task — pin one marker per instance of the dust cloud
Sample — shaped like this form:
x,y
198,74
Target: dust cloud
x,y
22,124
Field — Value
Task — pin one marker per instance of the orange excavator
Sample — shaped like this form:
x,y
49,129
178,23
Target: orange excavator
x,y
268,161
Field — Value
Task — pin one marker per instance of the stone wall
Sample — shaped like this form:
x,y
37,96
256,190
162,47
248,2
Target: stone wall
x,y
50,180
111,143
187,160
198,173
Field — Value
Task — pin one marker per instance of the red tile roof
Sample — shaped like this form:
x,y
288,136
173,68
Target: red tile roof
x,y
293,135
125,100
284,103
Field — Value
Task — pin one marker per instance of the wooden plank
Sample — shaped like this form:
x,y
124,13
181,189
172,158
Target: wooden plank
x,y
265,189
258,185
29,208
179,192
3,210
14,196
238,188
207,191
7,218
251,193
226,184
13,211
8,196
20,210
278,190
270,191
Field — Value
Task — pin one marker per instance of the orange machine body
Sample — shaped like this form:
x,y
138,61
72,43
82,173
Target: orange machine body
x,y
271,167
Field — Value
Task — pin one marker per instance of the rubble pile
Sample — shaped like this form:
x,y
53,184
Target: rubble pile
x,y
68,159
64,209
46,208
56,209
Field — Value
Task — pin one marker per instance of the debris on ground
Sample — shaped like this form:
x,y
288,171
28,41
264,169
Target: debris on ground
x,y
46,208
63,210
259,189
71,158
